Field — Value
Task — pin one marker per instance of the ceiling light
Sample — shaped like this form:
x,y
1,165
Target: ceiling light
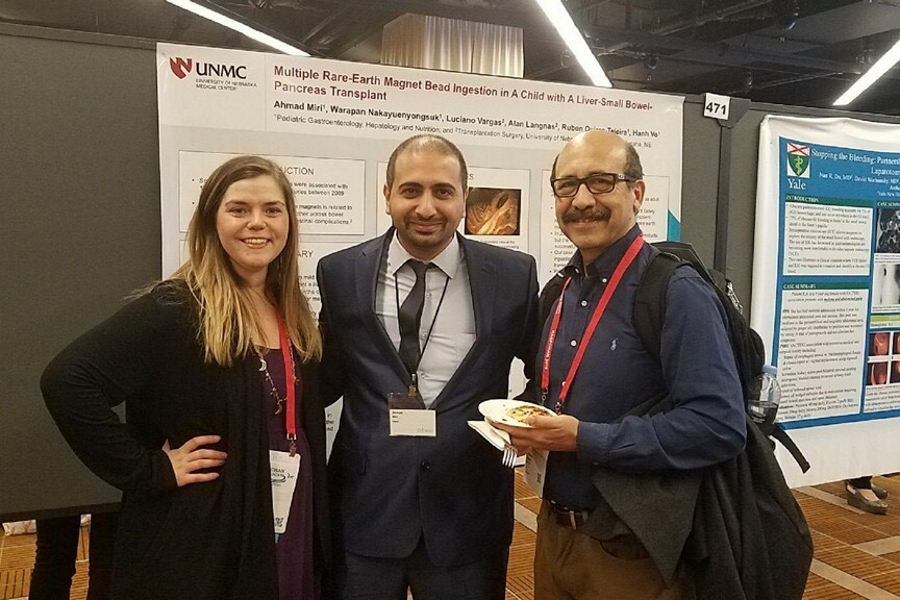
x,y
570,34
250,32
881,66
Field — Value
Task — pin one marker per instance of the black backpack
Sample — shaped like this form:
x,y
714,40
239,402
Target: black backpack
x,y
650,313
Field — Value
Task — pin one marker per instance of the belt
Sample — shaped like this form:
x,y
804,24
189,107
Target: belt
x,y
568,517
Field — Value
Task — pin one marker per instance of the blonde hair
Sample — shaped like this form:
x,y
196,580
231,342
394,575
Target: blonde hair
x,y
228,323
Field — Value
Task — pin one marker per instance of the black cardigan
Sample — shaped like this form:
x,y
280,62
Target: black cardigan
x,y
210,540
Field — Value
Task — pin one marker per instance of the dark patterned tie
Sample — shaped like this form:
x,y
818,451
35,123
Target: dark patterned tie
x,y
410,318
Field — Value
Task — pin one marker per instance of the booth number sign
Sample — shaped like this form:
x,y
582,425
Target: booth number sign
x,y
716,106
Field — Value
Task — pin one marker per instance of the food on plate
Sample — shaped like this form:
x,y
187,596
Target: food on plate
x,y
523,411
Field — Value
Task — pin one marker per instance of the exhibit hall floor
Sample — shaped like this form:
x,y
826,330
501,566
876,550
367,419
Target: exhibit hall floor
x,y
857,555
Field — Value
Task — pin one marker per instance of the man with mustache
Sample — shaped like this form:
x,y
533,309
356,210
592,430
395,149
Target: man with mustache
x,y
420,325
597,375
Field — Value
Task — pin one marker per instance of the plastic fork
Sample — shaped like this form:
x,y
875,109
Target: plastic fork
x,y
509,456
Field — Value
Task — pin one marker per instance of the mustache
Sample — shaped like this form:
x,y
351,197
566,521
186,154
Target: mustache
x,y
589,214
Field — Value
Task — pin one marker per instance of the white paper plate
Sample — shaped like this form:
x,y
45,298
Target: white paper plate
x,y
498,411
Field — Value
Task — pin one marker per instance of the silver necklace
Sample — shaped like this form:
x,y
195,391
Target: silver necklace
x,y
273,390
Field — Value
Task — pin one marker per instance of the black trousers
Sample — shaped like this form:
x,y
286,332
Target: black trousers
x,y
371,578
56,549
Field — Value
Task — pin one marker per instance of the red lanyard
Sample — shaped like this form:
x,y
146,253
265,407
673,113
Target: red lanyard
x,y
288,358
623,265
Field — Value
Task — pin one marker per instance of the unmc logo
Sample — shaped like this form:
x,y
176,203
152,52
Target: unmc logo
x,y
181,66
221,70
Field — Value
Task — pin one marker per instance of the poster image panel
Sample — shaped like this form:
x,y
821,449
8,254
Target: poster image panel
x,y
493,211
888,232
885,287
497,207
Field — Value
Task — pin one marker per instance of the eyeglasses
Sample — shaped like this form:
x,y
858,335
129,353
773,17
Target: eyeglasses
x,y
597,183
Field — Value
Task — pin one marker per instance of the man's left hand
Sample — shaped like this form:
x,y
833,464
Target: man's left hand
x,y
558,434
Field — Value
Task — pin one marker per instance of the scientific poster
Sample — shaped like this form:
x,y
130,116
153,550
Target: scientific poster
x,y
826,289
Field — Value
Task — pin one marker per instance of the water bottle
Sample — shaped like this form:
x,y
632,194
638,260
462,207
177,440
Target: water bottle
x,y
764,407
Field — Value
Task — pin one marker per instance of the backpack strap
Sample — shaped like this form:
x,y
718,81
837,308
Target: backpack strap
x,y
650,300
782,436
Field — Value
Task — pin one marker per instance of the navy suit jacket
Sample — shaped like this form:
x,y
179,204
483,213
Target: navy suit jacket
x,y
388,491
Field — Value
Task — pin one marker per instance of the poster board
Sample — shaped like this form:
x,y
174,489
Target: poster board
x,y
826,255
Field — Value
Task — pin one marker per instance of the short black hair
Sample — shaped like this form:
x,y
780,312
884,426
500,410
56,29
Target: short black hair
x,y
428,141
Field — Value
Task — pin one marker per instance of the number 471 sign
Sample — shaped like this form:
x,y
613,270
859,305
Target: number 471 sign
x,y
716,106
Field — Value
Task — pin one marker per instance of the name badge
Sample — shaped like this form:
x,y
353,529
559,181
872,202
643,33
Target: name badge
x,y
413,421
283,469
536,470
409,417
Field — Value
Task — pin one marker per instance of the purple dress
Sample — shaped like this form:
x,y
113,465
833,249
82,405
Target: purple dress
x,y
297,576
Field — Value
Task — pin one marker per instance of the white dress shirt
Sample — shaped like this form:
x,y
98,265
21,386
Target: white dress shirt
x,y
454,325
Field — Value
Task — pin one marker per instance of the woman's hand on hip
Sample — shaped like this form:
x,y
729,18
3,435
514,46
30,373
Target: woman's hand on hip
x,y
191,457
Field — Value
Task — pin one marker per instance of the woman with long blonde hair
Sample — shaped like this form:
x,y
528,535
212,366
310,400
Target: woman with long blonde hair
x,y
222,459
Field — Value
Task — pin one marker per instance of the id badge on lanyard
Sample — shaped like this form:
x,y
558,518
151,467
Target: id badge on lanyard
x,y
536,470
408,417
407,414
285,466
284,471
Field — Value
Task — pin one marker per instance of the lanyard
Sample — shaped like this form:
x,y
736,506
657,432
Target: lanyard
x,y
288,357
414,375
623,265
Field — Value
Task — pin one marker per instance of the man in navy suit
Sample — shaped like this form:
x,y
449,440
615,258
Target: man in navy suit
x,y
420,326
